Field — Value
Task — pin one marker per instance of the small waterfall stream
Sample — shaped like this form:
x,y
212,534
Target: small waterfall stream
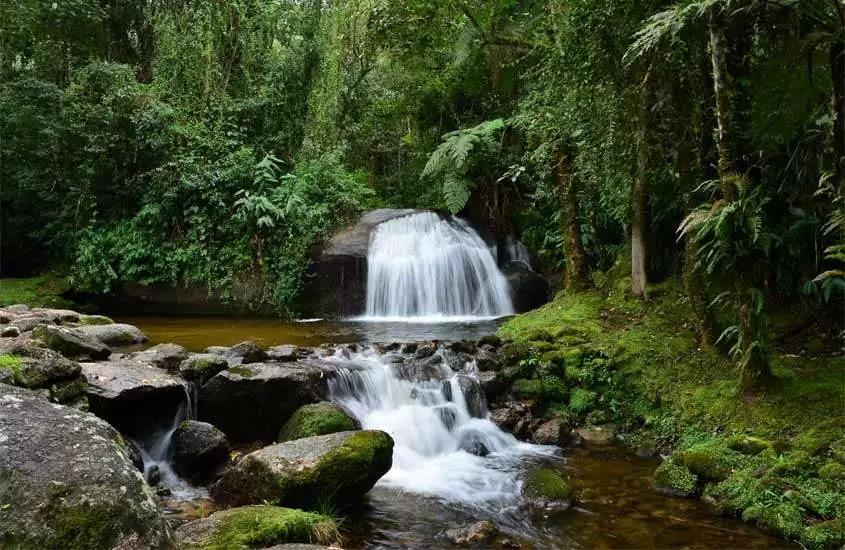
x,y
425,267
445,445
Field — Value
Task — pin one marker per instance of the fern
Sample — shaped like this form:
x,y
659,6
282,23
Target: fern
x,y
456,192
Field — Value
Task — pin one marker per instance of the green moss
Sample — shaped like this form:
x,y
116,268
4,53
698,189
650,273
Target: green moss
x,y
581,400
42,291
95,320
316,419
711,460
546,484
784,519
748,445
527,389
818,440
832,471
243,372
263,526
674,478
828,534
514,352
13,364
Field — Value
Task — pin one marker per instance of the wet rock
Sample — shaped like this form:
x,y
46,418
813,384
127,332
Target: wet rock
x,y
528,289
513,417
134,397
596,436
447,415
554,432
153,475
135,456
162,356
546,489
297,473
10,332
200,367
283,353
71,342
317,419
473,396
473,444
462,346
419,371
117,334
487,361
198,449
252,402
67,481
425,351
493,384
481,532
240,528
409,348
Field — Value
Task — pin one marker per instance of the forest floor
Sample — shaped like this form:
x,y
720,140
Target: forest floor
x,y
42,291
775,457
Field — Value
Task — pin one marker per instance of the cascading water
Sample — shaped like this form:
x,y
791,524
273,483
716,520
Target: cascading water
x,y
516,253
445,446
423,266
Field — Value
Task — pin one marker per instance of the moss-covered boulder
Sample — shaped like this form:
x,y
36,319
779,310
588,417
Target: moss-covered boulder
x,y
163,356
66,481
200,367
546,488
827,534
257,527
71,342
784,519
29,365
748,445
712,461
673,478
115,334
317,419
340,467
95,320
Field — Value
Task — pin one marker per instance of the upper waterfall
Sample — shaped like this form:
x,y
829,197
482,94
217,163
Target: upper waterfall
x,y
426,266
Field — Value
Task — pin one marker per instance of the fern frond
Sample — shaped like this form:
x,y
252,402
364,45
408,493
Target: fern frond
x,y
456,192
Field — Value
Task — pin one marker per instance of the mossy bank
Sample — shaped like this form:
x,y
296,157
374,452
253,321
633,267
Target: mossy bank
x,y
775,458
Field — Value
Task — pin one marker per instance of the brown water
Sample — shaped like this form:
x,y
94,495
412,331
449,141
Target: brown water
x,y
615,506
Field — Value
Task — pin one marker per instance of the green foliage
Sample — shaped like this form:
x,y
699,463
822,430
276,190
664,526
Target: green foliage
x,y
41,291
258,526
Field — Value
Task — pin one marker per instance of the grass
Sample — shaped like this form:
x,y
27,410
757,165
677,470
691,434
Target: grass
x,y
41,291
263,526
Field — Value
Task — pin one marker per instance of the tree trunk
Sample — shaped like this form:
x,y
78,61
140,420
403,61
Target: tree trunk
x,y
837,64
575,276
721,88
755,369
639,228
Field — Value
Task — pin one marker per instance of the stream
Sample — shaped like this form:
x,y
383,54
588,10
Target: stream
x,y
435,485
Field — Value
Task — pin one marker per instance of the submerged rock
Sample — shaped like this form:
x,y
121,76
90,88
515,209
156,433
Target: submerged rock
x,y
198,449
67,482
71,342
340,466
317,419
134,397
252,402
546,489
163,356
480,532
116,334
251,526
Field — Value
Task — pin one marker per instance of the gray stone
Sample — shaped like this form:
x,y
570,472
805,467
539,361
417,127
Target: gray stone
x,y
58,316
473,396
26,323
67,481
283,353
17,309
163,356
554,432
493,384
71,342
10,332
252,402
528,289
116,334
200,367
481,532
198,449
298,473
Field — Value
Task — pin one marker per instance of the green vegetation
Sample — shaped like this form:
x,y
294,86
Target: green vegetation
x,y
775,457
316,419
13,364
264,526
546,484
41,291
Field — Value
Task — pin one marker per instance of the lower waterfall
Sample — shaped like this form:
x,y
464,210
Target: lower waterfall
x,y
424,266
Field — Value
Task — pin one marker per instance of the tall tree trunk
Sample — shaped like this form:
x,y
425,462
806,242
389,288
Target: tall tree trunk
x,y
639,228
721,89
575,276
837,64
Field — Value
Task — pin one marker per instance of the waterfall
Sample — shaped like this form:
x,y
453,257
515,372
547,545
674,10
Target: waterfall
x,y
444,444
424,266
516,253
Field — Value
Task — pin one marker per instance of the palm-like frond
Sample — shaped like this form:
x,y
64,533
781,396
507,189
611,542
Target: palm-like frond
x,y
456,192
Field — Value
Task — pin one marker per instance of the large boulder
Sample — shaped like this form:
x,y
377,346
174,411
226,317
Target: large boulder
x,y
67,483
71,342
116,334
200,367
252,402
340,268
240,354
258,527
163,356
58,316
32,366
137,398
545,488
341,466
556,431
317,419
198,449
28,321
528,289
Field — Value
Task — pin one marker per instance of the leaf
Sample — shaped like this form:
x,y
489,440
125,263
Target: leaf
x,y
456,192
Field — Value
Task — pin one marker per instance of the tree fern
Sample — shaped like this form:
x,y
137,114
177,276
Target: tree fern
x,y
456,192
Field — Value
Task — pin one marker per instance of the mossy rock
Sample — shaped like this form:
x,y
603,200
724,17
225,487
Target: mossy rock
x,y
828,534
582,400
784,519
257,527
95,320
514,352
317,419
711,461
819,439
832,471
202,366
490,340
674,478
748,445
547,486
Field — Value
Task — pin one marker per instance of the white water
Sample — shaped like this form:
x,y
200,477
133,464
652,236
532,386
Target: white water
x,y
430,422
516,253
426,268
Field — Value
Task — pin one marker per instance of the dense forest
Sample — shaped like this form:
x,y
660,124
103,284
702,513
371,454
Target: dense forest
x,y
206,142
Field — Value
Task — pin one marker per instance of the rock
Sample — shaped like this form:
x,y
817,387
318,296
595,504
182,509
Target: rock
x,y
250,526
67,481
342,465
420,371
10,332
493,384
712,460
425,351
462,346
473,444
17,309
473,396
546,489
68,391
528,289
58,316
248,351
490,340
163,356
481,532
26,323
513,417
252,402
283,353
71,342
95,320
134,397
339,285
596,435
317,419
200,367
487,361
135,455
198,449
116,334
554,432
748,445
44,367
674,479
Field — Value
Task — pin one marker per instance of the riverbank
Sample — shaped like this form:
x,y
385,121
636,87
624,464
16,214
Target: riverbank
x,y
634,368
